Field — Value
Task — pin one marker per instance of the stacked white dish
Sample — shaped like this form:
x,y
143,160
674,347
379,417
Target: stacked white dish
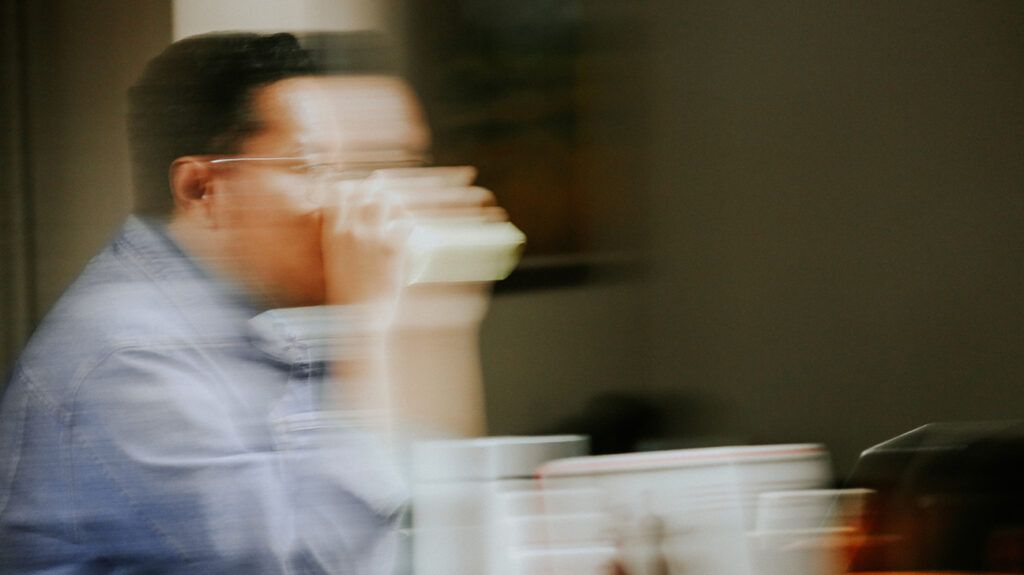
x,y
552,532
689,511
457,485
807,532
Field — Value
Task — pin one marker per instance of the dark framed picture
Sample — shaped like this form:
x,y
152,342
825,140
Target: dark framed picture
x,y
499,81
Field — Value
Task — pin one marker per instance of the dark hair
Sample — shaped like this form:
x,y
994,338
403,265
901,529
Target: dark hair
x,y
195,97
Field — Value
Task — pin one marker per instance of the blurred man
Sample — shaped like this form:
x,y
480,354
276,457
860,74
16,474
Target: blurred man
x,y
163,419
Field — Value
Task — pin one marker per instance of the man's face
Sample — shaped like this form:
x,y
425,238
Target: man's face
x,y
266,211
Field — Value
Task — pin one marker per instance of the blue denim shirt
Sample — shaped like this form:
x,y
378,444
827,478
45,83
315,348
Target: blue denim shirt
x,y
148,427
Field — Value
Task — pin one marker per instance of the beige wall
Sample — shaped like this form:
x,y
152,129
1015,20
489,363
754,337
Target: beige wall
x,y
191,17
837,214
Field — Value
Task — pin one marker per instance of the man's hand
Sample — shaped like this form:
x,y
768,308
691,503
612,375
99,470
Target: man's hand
x,y
427,373
367,225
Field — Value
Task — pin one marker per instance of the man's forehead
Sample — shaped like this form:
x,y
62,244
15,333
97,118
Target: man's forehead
x,y
335,114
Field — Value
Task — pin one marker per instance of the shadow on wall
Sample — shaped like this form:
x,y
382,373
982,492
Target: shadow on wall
x,y
620,422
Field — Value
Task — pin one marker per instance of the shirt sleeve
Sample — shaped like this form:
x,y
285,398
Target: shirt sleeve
x,y
35,521
173,466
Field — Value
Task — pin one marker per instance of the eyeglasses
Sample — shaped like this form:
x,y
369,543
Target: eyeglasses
x,y
319,171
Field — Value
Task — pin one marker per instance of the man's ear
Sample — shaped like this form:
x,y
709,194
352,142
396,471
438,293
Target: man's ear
x,y
192,186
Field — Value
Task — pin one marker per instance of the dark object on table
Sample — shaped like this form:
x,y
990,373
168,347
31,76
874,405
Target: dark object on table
x,y
950,498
